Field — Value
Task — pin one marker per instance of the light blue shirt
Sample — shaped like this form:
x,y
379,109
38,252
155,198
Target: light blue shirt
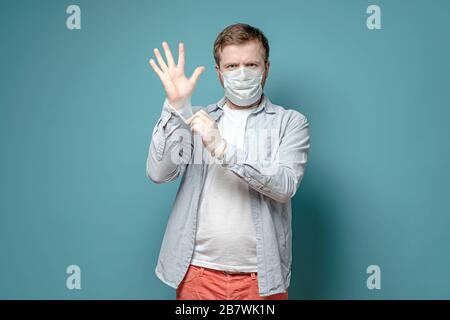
x,y
270,190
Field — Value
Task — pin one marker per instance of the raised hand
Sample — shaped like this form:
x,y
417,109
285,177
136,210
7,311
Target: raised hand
x,y
178,87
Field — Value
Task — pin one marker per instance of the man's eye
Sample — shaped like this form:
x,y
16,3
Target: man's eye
x,y
231,67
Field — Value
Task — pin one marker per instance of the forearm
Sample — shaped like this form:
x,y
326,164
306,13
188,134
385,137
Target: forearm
x,y
280,178
170,147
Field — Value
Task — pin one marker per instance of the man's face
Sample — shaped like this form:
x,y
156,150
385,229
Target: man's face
x,y
249,54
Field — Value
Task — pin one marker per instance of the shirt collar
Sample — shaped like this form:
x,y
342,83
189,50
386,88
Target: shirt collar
x,y
265,104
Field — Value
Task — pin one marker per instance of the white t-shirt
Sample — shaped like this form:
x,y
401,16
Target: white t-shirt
x,y
225,237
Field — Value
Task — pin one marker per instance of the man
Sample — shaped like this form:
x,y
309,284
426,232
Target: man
x,y
229,233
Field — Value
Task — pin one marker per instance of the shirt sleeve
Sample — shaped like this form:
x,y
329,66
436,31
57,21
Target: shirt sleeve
x,y
288,167
170,148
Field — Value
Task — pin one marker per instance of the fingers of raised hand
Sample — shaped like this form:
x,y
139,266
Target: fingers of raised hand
x,y
197,72
155,68
169,56
160,60
163,67
180,64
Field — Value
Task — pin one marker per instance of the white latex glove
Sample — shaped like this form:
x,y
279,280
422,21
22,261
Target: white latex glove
x,y
202,124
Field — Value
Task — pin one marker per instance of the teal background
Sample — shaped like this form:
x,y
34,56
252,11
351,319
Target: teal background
x,y
77,109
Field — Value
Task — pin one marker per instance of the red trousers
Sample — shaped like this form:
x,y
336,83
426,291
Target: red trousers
x,y
201,283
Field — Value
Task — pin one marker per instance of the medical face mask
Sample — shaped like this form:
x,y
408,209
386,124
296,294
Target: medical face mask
x,y
243,86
